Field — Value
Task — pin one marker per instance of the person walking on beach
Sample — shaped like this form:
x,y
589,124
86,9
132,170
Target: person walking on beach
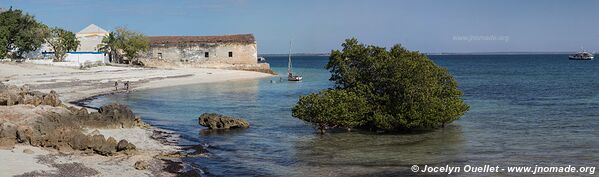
x,y
127,86
116,85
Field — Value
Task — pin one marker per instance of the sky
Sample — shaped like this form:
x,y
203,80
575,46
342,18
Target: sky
x,y
319,26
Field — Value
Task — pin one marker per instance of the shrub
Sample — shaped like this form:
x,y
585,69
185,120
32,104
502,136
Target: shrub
x,y
332,108
397,90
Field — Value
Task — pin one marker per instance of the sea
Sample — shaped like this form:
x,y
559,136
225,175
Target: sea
x,y
525,110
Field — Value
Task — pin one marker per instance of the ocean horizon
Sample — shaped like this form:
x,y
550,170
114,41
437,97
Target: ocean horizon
x,y
522,107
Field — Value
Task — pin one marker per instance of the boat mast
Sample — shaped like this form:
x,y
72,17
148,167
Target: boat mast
x,y
289,63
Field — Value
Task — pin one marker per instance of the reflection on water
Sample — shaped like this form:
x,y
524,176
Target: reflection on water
x,y
362,153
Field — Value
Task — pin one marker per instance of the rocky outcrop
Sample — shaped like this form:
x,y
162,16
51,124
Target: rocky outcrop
x,y
113,116
217,121
12,95
40,119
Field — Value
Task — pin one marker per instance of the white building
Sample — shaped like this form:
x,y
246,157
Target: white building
x,y
90,37
87,52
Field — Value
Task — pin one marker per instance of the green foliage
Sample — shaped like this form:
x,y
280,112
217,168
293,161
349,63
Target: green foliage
x,y
61,41
332,108
19,33
131,43
109,45
404,90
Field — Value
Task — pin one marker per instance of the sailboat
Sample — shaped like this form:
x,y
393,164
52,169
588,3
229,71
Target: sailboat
x,y
290,76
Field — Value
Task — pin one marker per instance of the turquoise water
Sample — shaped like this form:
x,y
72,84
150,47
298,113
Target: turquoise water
x,y
525,110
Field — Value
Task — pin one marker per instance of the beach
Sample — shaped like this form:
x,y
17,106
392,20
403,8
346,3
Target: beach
x,y
73,85
76,84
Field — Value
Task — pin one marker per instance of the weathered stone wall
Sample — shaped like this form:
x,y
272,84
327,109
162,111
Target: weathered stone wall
x,y
196,53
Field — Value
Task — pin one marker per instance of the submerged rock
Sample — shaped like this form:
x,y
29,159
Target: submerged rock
x,y
217,121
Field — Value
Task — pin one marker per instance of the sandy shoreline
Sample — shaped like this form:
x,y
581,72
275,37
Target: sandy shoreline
x,y
74,85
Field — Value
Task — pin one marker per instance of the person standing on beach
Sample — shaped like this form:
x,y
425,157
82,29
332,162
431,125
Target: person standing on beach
x,y
116,85
127,85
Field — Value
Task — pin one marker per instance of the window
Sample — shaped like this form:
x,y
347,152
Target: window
x,y
206,54
159,55
230,54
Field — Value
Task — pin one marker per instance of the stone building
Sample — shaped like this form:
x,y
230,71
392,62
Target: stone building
x,y
227,49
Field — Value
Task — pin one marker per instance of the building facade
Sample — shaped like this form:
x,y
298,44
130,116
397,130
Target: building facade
x,y
90,37
227,49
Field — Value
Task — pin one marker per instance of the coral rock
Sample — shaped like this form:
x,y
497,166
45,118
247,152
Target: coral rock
x,y
217,121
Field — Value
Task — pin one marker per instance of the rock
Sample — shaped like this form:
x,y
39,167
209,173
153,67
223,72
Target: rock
x,y
103,146
26,135
124,145
28,151
111,141
116,116
13,95
51,99
82,113
8,130
141,165
108,147
12,99
140,123
197,150
7,143
80,141
217,121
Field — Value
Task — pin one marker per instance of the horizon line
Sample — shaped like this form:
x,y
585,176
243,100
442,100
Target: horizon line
x,y
440,53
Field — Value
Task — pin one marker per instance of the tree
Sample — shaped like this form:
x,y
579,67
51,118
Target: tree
x,y
61,41
404,90
332,108
131,43
109,45
19,33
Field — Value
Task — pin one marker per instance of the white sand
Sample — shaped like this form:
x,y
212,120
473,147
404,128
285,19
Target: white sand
x,y
139,137
74,84
15,161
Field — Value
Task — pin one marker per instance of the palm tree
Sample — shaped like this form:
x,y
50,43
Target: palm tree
x,y
109,45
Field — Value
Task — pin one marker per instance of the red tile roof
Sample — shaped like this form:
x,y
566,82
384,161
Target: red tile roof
x,y
236,38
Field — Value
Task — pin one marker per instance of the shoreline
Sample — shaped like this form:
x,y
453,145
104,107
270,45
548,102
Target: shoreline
x,y
80,102
76,87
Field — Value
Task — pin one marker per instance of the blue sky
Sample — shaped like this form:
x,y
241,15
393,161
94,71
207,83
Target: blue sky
x,y
317,26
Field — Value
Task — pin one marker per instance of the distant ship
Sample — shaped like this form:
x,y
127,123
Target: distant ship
x,y
583,55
